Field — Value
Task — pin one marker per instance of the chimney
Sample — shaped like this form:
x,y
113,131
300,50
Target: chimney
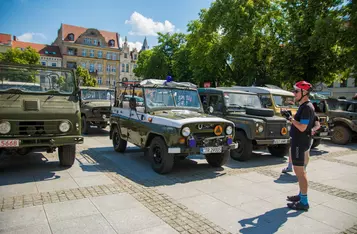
x,y
15,38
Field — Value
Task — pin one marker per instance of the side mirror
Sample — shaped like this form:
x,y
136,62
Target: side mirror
x,y
132,103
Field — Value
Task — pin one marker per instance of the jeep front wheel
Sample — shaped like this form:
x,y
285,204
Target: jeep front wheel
x,y
67,155
119,144
85,125
217,160
341,135
245,147
279,150
161,161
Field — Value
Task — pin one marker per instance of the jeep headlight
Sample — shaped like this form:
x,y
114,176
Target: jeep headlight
x,y
229,130
186,131
259,128
5,127
64,126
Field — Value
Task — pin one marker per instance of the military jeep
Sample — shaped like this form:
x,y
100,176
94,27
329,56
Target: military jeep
x,y
343,119
255,127
169,125
39,111
95,107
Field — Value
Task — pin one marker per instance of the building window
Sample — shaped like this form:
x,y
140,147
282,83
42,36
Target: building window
x,y
123,67
43,63
109,55
127,68
87,41
84,52
83,65
100,54
135,65
125,55
100,68
91,67
343,83
95,41
54,64
111,43
108,68
135,56
91,53
99,79
71,51
114,69
114,56
71,37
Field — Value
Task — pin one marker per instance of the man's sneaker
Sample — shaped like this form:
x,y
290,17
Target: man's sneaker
x,y
298,206
287,169
295,198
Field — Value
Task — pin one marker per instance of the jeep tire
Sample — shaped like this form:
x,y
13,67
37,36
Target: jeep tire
x,y
315,143
119,144
217,160
245,147
341,135
85,125
67,155
279,150
161,161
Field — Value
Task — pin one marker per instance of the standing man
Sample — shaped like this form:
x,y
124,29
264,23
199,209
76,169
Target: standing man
x,y
301,140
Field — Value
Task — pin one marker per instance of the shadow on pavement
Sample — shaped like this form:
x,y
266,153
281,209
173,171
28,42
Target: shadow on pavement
x,y
97,132
269,222
286,178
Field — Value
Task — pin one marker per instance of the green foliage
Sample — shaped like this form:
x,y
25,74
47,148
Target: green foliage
x,y
17,56
86,79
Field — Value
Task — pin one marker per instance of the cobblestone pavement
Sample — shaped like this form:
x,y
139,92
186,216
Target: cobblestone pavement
x,y
148,189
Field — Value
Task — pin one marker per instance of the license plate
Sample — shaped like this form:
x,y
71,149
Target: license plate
x,y
280,141
211,150
9,143
323,133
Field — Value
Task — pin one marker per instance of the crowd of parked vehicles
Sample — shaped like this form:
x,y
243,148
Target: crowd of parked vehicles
x,y
46,108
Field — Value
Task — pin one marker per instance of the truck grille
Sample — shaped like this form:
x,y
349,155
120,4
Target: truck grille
x,y
35,128
274,130
102,111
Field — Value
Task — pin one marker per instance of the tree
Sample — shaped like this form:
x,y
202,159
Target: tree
x,y
17,56
85,77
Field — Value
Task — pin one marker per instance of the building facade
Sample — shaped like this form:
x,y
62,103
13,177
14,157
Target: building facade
x,y
5,42
341,89
128,61
49,55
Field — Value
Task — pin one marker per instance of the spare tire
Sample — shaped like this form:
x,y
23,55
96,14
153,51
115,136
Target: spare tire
x,y
265,112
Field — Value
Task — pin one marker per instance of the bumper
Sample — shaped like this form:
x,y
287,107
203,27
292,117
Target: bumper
x,y
273,142
202,150
41,141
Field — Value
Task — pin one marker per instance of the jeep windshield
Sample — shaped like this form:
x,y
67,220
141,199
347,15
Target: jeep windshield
x,y
241,100
284,101
34,80
167,98
100,94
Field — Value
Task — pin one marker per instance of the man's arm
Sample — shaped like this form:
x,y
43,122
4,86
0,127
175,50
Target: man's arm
x,y
299,125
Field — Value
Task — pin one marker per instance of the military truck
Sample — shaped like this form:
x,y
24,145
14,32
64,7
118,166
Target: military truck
x,y
256,127
39,111
95,105
169,125
343,118
275,98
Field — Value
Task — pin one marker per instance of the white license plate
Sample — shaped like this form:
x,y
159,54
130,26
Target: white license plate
x,y
9,143
323,133
280,141
211,150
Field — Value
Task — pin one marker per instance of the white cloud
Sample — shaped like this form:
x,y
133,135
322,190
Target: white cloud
x,y
143,26
132,45
33,37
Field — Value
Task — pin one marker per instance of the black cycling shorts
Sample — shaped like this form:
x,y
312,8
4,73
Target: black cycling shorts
x,y
298,152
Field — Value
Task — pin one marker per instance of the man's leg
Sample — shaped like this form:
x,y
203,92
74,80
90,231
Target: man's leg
x,y
289,168
307,159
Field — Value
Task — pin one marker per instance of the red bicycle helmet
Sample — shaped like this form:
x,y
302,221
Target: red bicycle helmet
x,y
303,85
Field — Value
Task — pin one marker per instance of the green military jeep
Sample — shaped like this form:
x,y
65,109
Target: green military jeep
x,y
343,119
95,105
169,124
39,110
255,127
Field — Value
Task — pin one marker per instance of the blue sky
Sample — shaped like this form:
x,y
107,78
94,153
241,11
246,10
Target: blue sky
x,y
39,20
